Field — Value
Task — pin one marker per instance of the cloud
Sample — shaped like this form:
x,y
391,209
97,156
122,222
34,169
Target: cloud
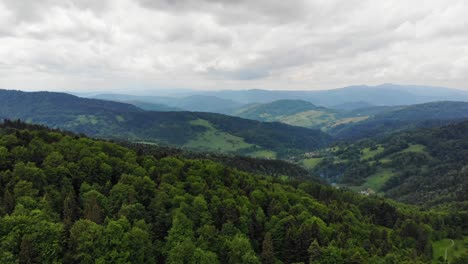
x,y
221,44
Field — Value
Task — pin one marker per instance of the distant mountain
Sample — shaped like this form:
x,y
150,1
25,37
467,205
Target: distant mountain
x,y
392,119
152,106
198,103
271,111
202,103
349,106
298,113
385,94
372,110
194,130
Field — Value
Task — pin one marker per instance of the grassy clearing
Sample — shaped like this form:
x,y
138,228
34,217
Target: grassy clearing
x,y
349,120
367,153
87,119
460,248
119,118
377,180
418,148
215,140
265,154
312,118
311,163
385,161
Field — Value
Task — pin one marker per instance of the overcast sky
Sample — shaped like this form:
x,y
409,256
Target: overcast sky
x,y
83,45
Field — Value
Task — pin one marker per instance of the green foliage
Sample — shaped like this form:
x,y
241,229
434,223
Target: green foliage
x,y
71,199
456,248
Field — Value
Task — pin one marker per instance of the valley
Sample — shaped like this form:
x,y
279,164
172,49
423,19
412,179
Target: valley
x,y
393,164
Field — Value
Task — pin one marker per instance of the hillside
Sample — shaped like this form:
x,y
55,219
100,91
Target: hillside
x,y
152,106
395,119
194,130
196,102
297,113
357,123
274,110
71,199
424,166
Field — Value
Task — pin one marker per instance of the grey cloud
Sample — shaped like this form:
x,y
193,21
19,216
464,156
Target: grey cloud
x,y
236,11
31,11
233,43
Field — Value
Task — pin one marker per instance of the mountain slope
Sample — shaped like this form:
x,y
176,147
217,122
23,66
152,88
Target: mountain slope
x,y
272,111
198,103
298,113
152,106
203,131
424,166
71,199
404,117
203,103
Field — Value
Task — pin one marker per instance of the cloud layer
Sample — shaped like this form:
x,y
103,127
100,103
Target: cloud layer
x,y
229,44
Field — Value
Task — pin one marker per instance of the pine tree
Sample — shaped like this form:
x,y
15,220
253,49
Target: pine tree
x,y
69,209
8,201
27,254
314,252
268,254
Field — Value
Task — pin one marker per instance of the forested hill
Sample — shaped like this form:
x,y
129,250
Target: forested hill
x,y
402,118
71,199
276,109
24,104
194,130
295,112
423,166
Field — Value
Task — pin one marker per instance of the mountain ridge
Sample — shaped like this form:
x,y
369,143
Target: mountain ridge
x,y
204,131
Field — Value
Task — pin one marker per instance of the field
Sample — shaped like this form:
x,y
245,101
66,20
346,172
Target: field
x,y
459,247
415,148
377,180
350,120
215,140
265,154
311,163
311,119
367,153
87,119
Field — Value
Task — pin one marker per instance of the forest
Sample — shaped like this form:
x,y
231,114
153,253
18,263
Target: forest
x,y
426,166
68,198
197,130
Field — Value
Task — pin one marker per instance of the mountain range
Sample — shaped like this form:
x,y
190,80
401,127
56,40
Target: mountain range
x,y
346,98
195,130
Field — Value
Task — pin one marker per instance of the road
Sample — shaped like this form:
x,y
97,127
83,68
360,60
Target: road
x,y
453,244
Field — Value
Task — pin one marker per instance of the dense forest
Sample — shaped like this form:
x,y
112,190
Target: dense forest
x,y
269,167
71,199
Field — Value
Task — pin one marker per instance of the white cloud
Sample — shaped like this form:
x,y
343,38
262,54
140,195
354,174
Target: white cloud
x,y
210,44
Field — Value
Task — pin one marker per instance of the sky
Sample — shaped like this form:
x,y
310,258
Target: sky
x,y
131,45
